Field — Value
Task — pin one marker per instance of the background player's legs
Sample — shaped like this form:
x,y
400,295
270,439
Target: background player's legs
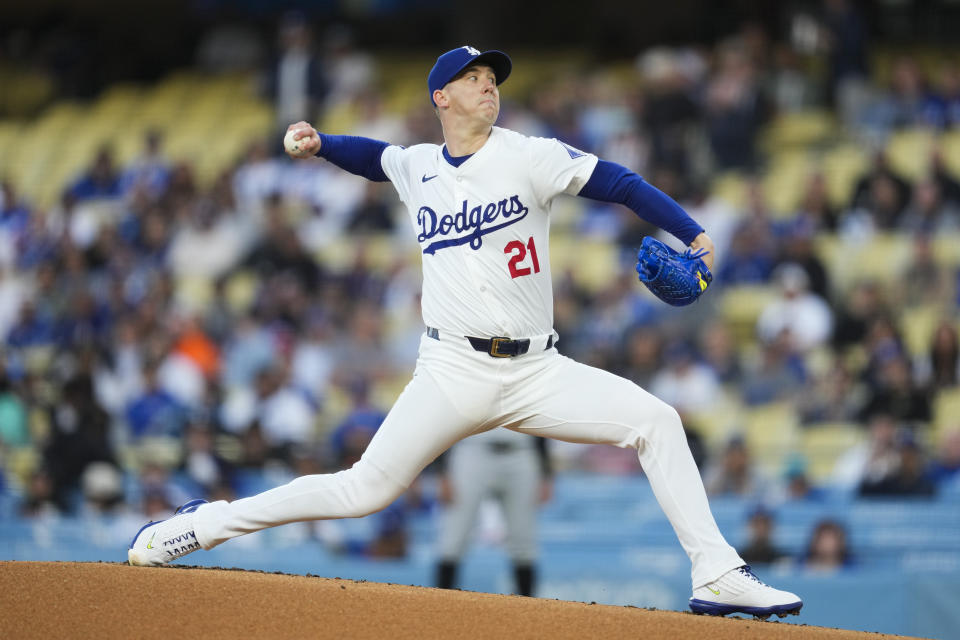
x,y
569,401
420,426
518,488
470,476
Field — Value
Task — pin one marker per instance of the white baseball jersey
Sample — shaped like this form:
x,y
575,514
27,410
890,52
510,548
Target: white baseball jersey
x,y
484,229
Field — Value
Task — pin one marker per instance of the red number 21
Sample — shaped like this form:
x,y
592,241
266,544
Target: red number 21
x,y
519,253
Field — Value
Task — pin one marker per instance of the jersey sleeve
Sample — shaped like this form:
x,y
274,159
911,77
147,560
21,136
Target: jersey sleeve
x,y
396,164
557,168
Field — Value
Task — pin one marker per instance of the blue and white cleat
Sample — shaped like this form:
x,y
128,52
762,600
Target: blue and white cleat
x,y
163,541
739,591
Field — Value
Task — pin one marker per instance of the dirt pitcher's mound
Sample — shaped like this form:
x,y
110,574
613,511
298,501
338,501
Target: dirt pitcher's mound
x,y
104,600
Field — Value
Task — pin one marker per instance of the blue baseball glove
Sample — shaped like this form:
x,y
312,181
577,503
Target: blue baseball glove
x,y
676,278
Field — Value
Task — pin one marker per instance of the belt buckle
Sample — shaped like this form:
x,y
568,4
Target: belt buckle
x,y
495,347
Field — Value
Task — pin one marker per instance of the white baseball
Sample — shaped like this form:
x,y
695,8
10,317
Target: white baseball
x,y
295,147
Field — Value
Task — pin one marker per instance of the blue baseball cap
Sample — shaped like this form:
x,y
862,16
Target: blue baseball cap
x,y
453,62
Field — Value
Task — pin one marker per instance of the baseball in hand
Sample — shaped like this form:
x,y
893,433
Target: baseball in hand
x,y
296,147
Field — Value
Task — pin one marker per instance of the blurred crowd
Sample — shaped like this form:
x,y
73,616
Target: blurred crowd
x,y
165,340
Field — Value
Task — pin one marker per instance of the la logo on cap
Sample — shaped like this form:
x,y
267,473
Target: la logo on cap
x,y
472,51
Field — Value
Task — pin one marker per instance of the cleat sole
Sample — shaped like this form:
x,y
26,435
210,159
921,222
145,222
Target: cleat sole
x,y
761,613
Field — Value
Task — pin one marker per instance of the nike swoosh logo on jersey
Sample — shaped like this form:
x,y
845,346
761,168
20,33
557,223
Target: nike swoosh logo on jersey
x,y
469,220
426,179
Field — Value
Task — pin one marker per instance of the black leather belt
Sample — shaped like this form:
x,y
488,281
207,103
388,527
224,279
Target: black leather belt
x,y
497,347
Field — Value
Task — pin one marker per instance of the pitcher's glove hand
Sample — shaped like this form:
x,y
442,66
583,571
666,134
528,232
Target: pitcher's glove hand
x,y
676,278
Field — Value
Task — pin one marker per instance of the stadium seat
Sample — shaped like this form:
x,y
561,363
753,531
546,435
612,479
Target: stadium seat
x,y
823,443
917,325
909,152
740,307
883,258
771,433
842,165
785,181
946,412
799,130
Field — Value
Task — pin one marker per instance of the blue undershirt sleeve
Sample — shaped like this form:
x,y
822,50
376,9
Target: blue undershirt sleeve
x,y
359,156
611,182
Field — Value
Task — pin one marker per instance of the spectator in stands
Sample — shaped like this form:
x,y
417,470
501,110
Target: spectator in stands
x,y
848,61
815,211
350,438
945,469
38,496
202,463
941,368
102,489
805,316
283,410
833,396
778,375
14,212
670,111
869,460
797,247
79,436
149,172
908,477
278,250
879,197
926,280
14,429
753,246
896,394
734,473
760,547
797,485
684,382
360,351
296,79
374,214
101,181
641,355
208,242
928,211
734,108
904,103
155,412
827,549
718,349
857,312
350,71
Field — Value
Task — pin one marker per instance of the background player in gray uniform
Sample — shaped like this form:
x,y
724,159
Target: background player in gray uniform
x,y
480,207
509,467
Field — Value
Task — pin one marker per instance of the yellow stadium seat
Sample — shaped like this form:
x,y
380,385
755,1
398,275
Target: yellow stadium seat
x,y
909,152
950,150
731,187
771,433
241,290
918,324
823,443
883,258
740,307
946,412
842,165
946,249
800,129
785,181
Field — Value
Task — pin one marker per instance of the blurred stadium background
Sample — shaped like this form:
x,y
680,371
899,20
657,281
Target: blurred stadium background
x,y
184,312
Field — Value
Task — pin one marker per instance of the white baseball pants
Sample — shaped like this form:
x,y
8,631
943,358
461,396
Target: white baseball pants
x,y
455,392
